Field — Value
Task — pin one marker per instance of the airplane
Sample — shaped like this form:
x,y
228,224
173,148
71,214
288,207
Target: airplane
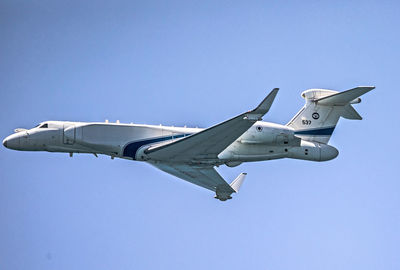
x,y
193,153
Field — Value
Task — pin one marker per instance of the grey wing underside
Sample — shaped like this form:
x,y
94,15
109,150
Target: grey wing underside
x,y
206,177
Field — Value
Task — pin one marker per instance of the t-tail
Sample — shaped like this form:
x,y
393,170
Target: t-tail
x,y
319,116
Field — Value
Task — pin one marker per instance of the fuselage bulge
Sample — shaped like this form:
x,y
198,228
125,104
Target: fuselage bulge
x,y
193,153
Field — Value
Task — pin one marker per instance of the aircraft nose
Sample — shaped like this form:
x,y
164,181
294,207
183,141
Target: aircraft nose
x,y
12,142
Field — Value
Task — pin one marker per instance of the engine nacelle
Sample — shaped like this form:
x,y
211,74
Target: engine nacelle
x,y
269,134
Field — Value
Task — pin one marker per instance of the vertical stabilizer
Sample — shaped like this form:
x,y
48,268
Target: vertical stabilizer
x,y
317,120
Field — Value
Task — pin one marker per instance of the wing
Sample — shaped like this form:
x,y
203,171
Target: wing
x,y
206,177
207,144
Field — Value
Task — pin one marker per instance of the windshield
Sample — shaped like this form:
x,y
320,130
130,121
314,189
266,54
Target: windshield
x,y
44,125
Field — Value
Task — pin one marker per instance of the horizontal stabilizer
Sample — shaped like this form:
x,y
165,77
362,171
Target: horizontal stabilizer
x,y
344,98
350,113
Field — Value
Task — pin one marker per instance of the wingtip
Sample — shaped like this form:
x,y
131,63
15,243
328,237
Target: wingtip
x,y
265,105
236,184
274,91
370,87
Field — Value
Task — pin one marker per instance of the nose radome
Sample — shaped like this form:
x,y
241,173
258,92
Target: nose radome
x,y
12,142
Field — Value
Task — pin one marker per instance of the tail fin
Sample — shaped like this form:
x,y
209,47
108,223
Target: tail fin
x,y
319,116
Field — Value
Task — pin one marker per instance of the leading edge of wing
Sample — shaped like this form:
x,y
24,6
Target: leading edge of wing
x,y
211,141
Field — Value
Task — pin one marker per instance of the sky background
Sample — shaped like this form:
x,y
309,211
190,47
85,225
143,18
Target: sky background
x,y
198,63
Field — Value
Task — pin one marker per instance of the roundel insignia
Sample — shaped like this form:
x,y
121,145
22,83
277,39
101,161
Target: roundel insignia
x,y
315,115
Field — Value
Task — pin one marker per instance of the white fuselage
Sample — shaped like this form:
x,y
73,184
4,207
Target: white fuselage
x,y
263,141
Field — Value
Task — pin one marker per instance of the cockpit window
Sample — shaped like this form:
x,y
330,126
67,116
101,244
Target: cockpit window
x,y
44,126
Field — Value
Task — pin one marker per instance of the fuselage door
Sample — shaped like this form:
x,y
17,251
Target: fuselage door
x,y
69,134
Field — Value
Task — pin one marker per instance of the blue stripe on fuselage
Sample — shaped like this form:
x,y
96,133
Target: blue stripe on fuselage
x,y
131,148
315,132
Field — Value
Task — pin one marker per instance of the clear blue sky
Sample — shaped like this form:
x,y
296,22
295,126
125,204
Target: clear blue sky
x,y
198,63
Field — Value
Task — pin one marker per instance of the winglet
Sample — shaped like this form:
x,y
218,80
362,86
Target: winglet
x,y
235,185
264,106
223,193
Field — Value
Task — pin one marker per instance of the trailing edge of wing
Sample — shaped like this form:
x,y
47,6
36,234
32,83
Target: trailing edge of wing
x,y
208,143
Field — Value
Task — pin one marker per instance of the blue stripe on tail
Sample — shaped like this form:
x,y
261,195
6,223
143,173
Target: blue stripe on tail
x,y
316,132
